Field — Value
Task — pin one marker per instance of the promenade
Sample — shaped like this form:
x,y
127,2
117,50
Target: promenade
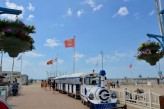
x,y
33,97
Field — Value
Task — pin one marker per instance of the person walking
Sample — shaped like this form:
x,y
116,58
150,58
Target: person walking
x,y
45,85
53,86
42,84
117,83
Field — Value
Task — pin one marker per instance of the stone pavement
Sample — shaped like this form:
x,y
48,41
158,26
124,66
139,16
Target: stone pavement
x,y
33,97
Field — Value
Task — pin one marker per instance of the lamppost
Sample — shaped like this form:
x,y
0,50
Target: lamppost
x,y
160,14
8,11
102,58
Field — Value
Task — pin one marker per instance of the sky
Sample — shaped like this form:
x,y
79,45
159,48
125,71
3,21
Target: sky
x,y
114,27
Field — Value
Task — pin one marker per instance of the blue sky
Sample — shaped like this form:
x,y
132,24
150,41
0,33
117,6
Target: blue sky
x,y
115,27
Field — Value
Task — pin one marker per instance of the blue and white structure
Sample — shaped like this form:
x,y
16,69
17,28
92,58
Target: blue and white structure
x,y
99,97
90,88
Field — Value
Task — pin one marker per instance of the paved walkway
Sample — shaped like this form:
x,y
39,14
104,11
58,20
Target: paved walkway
x,y
33,97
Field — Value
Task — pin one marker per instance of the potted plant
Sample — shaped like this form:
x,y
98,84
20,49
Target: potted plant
x,y
150,52
15,37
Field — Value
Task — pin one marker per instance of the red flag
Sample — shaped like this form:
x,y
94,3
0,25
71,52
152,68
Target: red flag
x,y
130,66
50,62
69,43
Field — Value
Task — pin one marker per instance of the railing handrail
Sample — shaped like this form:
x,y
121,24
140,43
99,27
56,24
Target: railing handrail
x,y
141,99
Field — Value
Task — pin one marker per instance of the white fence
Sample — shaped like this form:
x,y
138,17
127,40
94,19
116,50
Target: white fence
x,y
5,91
148,100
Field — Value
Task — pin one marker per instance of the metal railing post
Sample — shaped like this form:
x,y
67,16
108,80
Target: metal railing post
x,y
124,95
150,102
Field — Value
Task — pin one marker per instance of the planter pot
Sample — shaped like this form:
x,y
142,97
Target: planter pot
x,y
152,59
13,46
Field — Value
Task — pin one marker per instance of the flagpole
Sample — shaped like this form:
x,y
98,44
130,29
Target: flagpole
x,y
102,58
131,74
130,66
12,71
56,64
52,69
56,70
21,64
1,59
74,58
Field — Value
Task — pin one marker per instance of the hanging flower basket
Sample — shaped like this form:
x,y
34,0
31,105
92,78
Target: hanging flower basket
x,y
150,52
15,38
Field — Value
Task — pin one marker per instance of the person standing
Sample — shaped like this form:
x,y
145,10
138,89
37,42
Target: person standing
x,y
117,83
53,86
158,81
45,85
42,84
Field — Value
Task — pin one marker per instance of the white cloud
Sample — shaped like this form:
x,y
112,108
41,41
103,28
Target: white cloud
x,y
78,56
33,54
52,43
60,61
90,2
117,56
30,7
93,5
151,13
123,11
13,6
80,12
30,17
69,12
98,7
94,59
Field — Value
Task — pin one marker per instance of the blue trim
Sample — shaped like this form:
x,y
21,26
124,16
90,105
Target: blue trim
x,y
102,73
85,91
103,106
9,11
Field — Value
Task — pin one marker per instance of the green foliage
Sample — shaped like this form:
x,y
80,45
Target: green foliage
x,y
150,52
149,46
16,29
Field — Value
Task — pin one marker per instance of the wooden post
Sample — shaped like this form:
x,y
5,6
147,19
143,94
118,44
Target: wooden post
x,y
161,100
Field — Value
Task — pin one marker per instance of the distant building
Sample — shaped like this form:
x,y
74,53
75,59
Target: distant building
x,y
15,75
24,79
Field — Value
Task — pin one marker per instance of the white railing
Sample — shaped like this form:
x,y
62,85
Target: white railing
x,y
148,100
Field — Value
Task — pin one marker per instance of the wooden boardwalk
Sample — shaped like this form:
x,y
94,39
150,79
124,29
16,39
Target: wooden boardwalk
x,y
33,97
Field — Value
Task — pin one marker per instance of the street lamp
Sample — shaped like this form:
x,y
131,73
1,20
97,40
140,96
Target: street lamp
x,y
102,58
160,14
9,11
